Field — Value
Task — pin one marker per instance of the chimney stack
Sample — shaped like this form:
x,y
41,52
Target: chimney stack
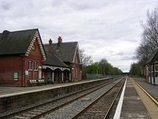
x,y
5,34
59,40
51,50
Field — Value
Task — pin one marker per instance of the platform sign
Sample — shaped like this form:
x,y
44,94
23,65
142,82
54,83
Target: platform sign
x,y
26,73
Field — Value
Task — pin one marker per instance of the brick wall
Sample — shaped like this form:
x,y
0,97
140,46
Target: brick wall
x,y
75,66
9,65
35,56
19,64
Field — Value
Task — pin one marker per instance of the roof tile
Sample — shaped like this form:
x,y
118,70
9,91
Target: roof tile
x,y
16,42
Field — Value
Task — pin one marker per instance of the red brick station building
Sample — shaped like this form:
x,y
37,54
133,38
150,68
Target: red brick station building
x,y
23,57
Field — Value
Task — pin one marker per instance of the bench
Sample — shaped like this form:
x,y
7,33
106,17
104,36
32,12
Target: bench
x,y
33,82
41,81
36,82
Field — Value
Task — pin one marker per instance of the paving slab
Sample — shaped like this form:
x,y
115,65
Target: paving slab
x,y
133,107
152,89
149,102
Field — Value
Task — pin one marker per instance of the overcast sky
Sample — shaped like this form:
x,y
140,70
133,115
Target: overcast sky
x,y
105,29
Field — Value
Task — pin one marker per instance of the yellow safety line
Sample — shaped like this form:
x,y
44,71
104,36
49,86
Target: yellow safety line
x,y
151,97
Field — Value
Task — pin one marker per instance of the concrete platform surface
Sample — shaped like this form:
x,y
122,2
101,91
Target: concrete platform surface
x,y
10,91
133,107
152,89
150,102
136,104
20,90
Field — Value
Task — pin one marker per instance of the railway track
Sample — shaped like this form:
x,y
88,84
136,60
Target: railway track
x,y
101,107
90,106
47,107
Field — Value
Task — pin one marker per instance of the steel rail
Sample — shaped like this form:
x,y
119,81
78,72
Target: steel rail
x,y
62,105
86,108
113,102
43,113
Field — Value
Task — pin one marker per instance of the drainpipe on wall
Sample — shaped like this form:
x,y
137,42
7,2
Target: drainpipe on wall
x,y
23,71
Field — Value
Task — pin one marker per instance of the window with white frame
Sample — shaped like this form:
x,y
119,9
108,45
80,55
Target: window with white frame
x,y
30,65
36,66
15,76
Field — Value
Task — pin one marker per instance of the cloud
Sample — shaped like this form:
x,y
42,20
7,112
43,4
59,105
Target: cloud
x,y
104,29
5,6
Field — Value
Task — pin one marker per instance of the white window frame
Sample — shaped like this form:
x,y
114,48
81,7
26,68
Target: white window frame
x,y
16,76
36,66
30,65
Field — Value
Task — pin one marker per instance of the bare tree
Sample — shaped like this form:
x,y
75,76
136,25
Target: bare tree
x,y
149,41
86,59
135,69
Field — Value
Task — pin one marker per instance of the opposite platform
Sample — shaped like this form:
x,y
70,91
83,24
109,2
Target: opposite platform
x,y
11,91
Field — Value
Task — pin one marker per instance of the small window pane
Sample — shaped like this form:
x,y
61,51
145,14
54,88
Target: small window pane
x,y
32,65
29,65
16,76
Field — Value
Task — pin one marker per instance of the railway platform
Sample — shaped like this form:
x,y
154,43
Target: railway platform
x,y
152,89
136,104
20,97
137,101
11,91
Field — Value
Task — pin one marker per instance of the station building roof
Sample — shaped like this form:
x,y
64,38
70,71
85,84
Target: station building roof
x,y
65,50
153,58
18,42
